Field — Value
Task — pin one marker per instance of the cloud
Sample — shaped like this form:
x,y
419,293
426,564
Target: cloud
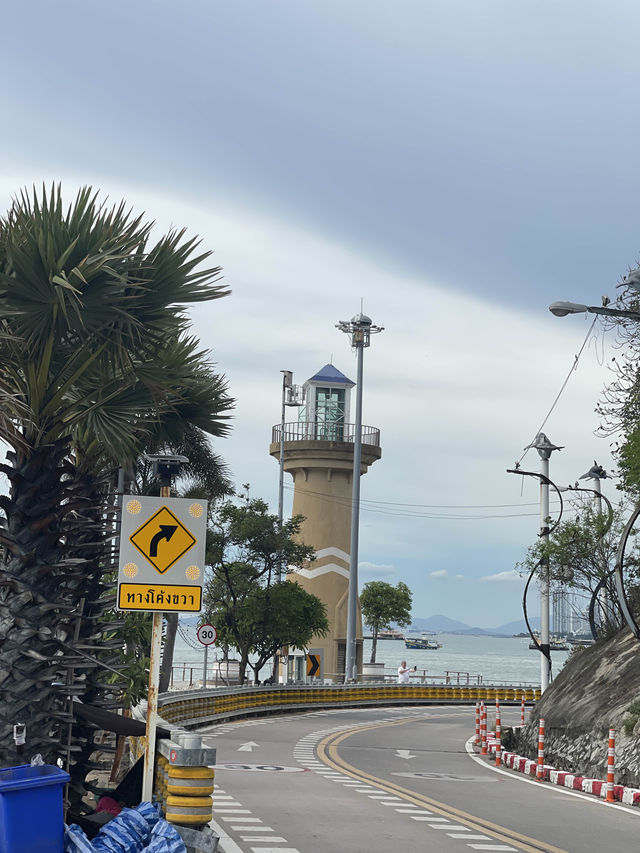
x,y
440,573
502,577
376,570
459,577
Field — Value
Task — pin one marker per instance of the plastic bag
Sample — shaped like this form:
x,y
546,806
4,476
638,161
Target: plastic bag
x,y
75,841
132,831
165,839
37,760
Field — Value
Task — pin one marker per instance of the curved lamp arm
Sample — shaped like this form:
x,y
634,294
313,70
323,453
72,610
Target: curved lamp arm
x,y
618,570
603,581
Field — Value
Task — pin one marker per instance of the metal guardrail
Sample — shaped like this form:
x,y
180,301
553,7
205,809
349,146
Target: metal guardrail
x,y
313,431
190,675
193,708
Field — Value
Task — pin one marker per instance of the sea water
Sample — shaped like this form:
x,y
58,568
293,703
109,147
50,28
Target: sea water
x,y
498,660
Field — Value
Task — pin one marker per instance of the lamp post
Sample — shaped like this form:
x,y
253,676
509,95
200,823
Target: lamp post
x,y
287,382
561,309
545,448
597,473
360,328
291,396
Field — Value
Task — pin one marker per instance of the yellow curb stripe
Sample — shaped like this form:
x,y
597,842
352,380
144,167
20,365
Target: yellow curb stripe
x,y
328,752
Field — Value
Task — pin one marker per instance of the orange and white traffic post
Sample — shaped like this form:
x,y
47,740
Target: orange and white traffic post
x,y
611,764
498,735
477,739
522,711
540,767
483,727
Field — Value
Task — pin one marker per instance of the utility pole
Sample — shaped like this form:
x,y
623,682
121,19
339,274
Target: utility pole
x,y
545,448
360,328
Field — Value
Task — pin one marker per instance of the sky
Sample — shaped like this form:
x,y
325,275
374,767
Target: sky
x,y
455,165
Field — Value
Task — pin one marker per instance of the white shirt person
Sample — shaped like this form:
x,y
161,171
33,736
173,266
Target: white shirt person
x,y
403,673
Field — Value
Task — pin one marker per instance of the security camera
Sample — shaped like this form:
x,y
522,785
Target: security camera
x,y
166,465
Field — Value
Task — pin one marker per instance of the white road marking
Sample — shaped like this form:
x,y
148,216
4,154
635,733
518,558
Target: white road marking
x,y
490,847
413,810
226,842
231,811
275,850
242,819
557,789
403,753
465,835
252,828
273,838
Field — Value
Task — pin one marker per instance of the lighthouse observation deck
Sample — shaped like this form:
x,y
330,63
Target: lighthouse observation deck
x,y
318,431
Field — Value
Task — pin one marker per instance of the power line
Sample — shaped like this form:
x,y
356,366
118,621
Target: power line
x,y
574,367
407,513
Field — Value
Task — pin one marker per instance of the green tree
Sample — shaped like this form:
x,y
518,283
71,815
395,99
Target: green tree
x,y
284,614
384,605
95,363
581,554
245,548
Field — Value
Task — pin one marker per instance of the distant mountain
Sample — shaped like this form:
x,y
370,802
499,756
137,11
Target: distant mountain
x,y
444,625
518,627
438,623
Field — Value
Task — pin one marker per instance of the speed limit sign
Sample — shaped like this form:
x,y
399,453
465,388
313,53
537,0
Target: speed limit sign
x,y
207,635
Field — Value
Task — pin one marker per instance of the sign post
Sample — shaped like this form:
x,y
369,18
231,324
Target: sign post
x,y
315,664
207,635
161,569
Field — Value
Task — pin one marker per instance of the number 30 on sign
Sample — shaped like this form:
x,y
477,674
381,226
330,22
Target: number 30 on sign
x,y
207,635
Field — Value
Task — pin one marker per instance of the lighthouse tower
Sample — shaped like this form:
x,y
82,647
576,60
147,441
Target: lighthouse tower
x,y
318,453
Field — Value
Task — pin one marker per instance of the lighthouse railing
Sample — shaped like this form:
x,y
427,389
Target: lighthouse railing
x,y
324,431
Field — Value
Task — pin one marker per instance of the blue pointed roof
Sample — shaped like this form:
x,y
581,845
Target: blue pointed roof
x,y
331,375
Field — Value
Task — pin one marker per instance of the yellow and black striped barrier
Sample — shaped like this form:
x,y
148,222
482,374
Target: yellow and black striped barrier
x,y
199,707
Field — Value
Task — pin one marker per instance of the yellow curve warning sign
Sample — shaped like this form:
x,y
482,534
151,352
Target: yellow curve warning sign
x,y
162,539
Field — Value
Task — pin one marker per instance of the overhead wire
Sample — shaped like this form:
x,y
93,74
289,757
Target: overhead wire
x,y
573,368
392,509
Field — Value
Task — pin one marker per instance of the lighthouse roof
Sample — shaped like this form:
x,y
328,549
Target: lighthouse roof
x,y
331,375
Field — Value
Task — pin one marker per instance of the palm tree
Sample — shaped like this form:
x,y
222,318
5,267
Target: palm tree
x,y
94,359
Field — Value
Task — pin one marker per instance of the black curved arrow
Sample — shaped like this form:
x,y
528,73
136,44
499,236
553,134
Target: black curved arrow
x,y
166,532
314,666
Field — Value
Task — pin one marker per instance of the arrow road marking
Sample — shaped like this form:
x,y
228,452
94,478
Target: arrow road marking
x,y
166,532
404,753
247,747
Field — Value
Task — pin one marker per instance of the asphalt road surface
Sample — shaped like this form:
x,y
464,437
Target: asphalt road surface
x,y
396,780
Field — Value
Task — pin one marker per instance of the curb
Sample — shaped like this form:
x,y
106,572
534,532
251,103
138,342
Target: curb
x,y
628,796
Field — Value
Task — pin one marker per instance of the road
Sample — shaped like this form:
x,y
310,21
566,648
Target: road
x,y
394,779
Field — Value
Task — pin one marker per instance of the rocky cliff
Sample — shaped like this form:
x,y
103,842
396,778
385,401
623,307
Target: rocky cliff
x,y
591,694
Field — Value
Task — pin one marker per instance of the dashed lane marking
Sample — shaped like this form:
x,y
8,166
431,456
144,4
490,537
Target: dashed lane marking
x,y
450,818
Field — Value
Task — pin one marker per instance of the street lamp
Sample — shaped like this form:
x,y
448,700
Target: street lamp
x,y
360,328
292,395
561,309
545,448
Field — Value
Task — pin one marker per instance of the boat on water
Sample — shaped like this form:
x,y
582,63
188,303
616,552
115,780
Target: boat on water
x,y
387,635
422,642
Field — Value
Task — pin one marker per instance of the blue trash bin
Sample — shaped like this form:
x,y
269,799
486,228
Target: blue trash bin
x,y
31,813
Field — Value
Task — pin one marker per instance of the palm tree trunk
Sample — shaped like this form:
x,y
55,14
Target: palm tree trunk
x,y
167,651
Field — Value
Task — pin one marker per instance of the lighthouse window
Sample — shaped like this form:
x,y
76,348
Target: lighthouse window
x,y
330,414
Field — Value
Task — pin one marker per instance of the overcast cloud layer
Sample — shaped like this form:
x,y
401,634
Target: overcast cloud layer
x,y
456,165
